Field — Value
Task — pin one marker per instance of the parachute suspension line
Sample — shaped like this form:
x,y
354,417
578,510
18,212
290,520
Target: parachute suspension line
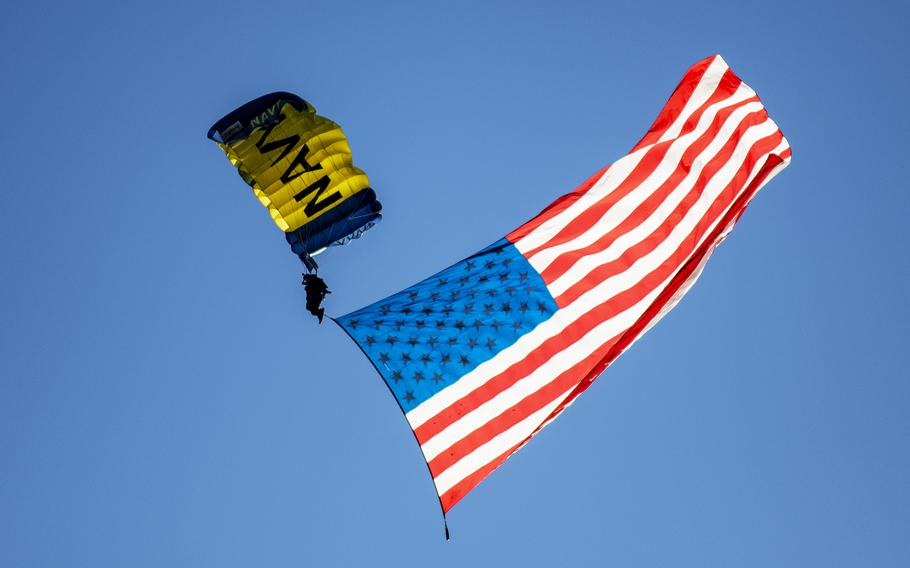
x,y
309,262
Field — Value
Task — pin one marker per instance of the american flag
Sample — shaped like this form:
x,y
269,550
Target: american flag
x,y
484,354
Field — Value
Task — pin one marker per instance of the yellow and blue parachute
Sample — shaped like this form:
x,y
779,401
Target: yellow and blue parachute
x,y
300,167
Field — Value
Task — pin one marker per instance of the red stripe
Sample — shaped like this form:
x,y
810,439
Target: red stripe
x,y
555,208
460,489
668,114
566,260
680,268
577,329
536,358
732,216
676,103
595,362
651,160
518,412
652,241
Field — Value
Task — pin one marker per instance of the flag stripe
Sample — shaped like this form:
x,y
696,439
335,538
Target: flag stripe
x,y
458,390
683,277
706,87
684,95
589,313
601,266
556,208
474,433
623,190
646,203
493,448
454,492
600,243
673,292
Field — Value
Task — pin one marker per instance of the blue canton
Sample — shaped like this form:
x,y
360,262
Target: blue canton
x,y
428,336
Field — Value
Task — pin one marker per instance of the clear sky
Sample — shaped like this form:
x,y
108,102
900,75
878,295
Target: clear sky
x,y
166,401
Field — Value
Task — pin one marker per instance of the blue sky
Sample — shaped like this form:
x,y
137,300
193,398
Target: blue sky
x,y
165,400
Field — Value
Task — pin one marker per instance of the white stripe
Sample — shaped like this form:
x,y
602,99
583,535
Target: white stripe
x,y
620,169
589,262
531,383
723,235
492,449
623,208
676,297
780,167
425,411
698,271
713,74
495,447
564,317
611,179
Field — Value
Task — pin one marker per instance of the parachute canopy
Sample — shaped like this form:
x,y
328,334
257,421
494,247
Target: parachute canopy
x,y
300,167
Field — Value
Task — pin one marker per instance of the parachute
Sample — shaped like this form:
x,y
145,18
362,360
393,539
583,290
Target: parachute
x,y
300,167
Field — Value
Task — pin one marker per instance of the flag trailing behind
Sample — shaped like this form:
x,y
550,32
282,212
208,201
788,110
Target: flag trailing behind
x,y
484,354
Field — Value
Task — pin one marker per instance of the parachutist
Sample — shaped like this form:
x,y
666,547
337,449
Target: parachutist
x,y
316,289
